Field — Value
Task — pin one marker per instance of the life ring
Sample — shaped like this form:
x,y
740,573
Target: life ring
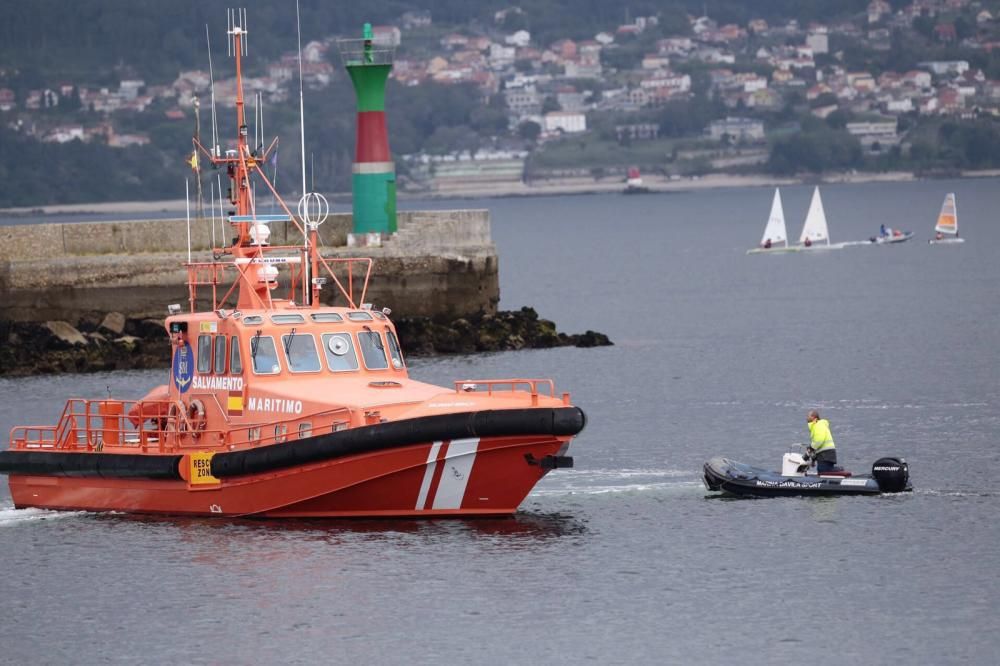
x,y
196,415
174,421
192,419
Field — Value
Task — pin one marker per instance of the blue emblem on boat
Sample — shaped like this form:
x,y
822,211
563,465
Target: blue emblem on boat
x,y
183,367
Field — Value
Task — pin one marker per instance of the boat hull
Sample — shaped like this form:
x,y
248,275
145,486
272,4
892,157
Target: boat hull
x,y
469,476
946,241
771,250
741,480
472,463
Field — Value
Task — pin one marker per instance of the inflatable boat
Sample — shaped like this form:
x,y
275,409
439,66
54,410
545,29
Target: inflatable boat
x,y
888,475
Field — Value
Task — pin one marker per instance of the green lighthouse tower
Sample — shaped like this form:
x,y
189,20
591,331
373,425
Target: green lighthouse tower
x,y
373,179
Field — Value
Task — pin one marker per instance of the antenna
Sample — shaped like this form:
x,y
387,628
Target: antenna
x,y
211,78
302,113
222,214
187,201
237,25
211,187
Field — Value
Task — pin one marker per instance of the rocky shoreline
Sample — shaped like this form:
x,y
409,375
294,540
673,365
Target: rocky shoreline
x,y
116,342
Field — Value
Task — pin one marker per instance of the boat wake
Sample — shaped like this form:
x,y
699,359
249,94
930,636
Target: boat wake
x,y
11,516
940,492
603,482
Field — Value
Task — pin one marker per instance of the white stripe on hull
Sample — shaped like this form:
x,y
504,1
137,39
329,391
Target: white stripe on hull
x,y
455,476
425,486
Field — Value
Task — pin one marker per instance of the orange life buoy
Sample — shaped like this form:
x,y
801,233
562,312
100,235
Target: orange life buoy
x,y
196,415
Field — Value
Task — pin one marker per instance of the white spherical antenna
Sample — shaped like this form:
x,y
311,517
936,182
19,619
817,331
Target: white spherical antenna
x,y
313,209
338,346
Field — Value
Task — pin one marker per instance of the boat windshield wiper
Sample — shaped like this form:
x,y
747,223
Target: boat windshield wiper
x,y
288,341
377,341
254,343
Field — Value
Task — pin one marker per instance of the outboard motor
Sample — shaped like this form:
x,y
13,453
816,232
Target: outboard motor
x,y
892,474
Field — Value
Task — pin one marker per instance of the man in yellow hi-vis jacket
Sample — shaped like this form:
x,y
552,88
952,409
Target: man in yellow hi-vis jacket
x,y
821,448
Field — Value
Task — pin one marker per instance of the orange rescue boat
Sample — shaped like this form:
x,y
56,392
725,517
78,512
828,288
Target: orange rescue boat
x,y
283,407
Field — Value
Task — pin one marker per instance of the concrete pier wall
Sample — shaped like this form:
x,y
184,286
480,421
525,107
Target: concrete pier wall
x,y
439,263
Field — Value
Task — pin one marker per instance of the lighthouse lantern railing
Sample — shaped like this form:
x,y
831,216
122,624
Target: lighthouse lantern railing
x,y
365,52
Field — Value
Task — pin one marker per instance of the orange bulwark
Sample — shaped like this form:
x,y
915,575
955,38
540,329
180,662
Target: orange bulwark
x,y
278,406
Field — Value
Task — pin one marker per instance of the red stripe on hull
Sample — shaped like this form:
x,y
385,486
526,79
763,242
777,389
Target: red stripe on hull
x,y
385,484
372,140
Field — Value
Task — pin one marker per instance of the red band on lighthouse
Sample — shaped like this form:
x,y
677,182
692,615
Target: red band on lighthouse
x,y
372,143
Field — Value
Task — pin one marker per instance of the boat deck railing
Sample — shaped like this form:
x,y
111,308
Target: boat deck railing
x,y
164,426
212,274
534,387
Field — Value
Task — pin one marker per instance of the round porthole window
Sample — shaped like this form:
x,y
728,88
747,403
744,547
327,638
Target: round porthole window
x,y
338,346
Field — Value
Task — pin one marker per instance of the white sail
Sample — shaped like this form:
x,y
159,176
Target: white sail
x,y
775,229
815,228
947,222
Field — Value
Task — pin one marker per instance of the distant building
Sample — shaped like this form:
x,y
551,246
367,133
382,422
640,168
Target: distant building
x,y
571,100
129,89
655,61
637,132
420,18
942,67
739,129
523,101
818,40
8,100
519,38
875,135
386,36
569,122
877,9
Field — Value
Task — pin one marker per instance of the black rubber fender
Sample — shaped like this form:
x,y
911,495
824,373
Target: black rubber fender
x,y
102,465
559,421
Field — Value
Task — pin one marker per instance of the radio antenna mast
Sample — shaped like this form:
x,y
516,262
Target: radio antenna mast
x,y
211,78
302,113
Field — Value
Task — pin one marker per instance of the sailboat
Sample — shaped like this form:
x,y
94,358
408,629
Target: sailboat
x,y
815,233
947,223
775,238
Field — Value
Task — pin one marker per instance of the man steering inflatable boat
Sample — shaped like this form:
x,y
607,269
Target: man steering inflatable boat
x,y
821,448
888,475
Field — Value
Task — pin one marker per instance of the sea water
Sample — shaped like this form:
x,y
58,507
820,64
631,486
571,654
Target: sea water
x,y
625,558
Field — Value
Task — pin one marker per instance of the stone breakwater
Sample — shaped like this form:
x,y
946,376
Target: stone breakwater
x,y
84,297
440,263
115,342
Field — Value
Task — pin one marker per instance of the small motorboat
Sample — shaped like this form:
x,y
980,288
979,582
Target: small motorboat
x,y
888,475
894,236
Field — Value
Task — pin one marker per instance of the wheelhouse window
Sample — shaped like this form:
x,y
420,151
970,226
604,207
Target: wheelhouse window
x,y
235,361
264,355
204,354
288,319
339,350
220,354
359,316
252,320
395,353
372,350
300,351
326,317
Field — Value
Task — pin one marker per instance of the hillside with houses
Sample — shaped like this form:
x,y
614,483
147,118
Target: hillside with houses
x,y
911,86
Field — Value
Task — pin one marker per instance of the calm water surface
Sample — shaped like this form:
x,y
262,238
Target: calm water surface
x,y
623,559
